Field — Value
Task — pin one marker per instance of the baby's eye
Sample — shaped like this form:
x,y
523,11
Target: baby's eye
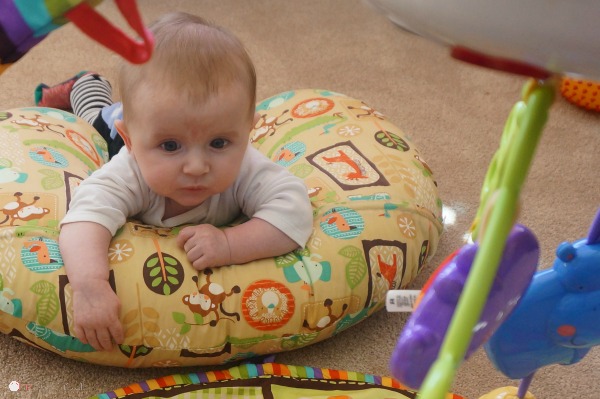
x,y
170,146
219,143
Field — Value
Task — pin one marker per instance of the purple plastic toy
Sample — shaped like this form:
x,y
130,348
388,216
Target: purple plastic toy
x,y
558,319
420,341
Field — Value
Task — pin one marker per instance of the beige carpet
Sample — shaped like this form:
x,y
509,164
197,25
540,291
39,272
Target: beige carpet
x,y
454,112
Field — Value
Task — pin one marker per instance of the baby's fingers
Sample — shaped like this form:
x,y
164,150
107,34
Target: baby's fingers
x,y
99,339
184,235
89,337
104,341
116,331
80,334
200,263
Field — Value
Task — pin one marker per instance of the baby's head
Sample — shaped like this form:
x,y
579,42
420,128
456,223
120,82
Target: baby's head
x,y
193,58
188,112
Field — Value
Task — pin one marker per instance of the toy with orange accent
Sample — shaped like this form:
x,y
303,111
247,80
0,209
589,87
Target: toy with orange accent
x,y
506,393
23,24
583,93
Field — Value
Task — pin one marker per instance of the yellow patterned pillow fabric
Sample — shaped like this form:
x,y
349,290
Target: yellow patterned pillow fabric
x,y
377,218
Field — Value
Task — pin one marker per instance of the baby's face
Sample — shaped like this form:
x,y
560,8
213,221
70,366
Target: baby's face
x,y
190,153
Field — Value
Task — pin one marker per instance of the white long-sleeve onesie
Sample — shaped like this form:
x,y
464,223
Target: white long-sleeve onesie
x,y
263,190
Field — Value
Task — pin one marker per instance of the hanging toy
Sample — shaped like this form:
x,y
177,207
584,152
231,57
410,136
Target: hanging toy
x,y
23,24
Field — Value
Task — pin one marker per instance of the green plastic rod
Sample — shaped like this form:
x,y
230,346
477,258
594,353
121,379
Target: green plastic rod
x,y
538,97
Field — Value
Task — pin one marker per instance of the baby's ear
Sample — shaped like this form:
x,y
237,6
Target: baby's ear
x,y
122,130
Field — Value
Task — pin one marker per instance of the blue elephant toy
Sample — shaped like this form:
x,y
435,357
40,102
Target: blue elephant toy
x,y
557,320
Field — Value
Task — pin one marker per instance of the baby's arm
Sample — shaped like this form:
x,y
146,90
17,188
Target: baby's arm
x,y
280,215
96,307
257,239
209,246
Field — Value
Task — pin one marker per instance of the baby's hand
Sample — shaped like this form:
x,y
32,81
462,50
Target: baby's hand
x,y
96,315
205,245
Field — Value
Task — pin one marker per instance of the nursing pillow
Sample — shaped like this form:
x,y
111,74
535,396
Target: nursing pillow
x,y
377,219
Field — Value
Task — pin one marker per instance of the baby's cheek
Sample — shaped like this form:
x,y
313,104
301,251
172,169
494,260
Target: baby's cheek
x,y
160,179
225,176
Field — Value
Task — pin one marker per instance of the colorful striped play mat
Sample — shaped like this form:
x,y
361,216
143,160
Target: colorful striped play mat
x,y
269,380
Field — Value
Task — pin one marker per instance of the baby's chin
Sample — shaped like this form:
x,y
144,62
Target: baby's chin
x,y
177,205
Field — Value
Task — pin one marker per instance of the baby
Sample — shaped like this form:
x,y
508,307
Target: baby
x,y
187,116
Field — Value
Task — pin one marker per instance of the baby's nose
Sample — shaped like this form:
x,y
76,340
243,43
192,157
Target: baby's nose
x,y
196,165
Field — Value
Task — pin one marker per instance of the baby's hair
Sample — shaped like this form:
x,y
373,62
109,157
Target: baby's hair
x,y
191,56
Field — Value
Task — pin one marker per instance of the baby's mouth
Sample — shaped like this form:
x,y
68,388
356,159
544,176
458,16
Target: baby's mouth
x,y
194,188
